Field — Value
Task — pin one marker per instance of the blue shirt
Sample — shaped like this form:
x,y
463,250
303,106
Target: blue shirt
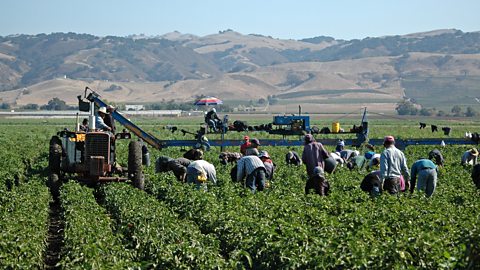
x,y
420,165
99,123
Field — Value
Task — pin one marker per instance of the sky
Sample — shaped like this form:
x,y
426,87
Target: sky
x,y
341,19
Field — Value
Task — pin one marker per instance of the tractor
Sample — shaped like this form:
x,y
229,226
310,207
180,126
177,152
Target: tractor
x,y
91,155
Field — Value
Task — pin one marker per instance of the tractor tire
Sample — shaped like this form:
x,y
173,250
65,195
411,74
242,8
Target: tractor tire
x,y
55,155
135,172
54,184
54,166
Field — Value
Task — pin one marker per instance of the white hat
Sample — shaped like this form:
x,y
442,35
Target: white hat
x,y
103,110
214,110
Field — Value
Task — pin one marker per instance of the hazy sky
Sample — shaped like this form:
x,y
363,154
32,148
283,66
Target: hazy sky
x,y
283,19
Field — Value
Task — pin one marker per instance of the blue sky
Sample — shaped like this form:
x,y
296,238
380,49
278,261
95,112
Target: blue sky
x,y
347,19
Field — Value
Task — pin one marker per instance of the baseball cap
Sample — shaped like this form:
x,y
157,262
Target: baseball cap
x,y
251,152
255,141
309,138
264,154
389,139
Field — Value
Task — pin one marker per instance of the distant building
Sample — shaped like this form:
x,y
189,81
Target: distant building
x,y
134,107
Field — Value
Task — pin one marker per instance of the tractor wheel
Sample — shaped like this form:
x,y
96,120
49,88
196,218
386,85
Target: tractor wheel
x,y
54,184
54,160
135,164
55,155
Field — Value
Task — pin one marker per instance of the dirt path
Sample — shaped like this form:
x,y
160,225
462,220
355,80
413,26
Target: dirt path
x,y
55,236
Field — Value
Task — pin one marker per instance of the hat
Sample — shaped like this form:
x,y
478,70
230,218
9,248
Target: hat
x,y
263,154
246,137
389,139
309,138
251,152
319,171
255,141
474,151
341,143
103,110
110,107
213,110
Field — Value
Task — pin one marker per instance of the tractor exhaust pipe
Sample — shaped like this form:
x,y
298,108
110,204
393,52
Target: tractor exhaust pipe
x,y
91,117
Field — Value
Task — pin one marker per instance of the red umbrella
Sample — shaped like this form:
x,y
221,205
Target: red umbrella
x,y
208,101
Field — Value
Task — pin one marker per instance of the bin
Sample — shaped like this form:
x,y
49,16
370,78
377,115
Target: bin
x,y
335,127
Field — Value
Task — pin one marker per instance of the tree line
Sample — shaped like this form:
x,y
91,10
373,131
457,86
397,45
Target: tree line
x,y
407,107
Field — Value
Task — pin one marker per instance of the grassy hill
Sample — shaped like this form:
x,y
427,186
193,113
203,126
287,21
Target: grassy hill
x,y
436,69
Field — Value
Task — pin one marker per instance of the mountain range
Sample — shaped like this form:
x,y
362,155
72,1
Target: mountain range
x,y
439,69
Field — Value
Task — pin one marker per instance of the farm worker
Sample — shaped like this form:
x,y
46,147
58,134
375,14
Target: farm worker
x,y
426,171
437,157
246,144
199,172
109,121
253,168
356,162
374,162
347,154
340,145
476,175
292,158
470,157
177,166
211,119
372,184
393,164
100,120
314,154
318,182
254,143
268,163
84,125
338,159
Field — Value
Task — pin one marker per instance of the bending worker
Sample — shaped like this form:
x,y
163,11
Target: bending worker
x,y
427,172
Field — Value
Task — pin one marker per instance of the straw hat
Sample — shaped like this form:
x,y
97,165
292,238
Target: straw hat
x,y
103,110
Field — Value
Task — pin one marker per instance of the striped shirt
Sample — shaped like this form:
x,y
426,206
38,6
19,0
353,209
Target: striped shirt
x,y
246,165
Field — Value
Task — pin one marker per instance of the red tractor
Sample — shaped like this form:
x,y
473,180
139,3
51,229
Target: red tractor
x,y
91,155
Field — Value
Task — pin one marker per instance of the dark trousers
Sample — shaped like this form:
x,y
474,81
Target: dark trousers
x,y
391,185
256,180
318,184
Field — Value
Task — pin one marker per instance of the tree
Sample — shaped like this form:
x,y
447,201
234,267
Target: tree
x,y
31,106
471,112
406,107
55,104
457,110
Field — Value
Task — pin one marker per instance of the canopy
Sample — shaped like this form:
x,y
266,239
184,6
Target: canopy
x,y
208,101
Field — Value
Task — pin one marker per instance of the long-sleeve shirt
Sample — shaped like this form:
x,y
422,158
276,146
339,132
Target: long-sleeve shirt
x,y
246,165
346,154
199,166
420,165
100,124
269,168
468,158
393,164
314,155
244,146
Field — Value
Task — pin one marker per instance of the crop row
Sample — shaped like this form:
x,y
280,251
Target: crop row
x,y
89,241
21,152
156,236
24,213
283,228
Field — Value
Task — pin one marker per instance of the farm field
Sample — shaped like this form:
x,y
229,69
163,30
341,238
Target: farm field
x,y
172,225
